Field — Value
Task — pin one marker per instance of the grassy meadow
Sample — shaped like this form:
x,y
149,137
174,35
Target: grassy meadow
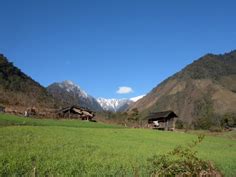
x,y
33,147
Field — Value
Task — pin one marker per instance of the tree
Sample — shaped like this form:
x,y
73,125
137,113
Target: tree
x,y
135,117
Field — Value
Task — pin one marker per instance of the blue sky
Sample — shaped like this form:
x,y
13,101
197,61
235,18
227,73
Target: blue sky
x,y
106,44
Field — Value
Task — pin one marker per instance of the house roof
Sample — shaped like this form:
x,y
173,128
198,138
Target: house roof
x,y
75,109
161,115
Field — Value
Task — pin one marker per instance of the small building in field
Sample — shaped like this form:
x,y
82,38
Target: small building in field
x,y
76,112
162,120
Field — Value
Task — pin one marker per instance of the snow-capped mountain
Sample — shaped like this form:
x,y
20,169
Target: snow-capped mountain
x,y
117,105
69,86
113,105
71,94
134,99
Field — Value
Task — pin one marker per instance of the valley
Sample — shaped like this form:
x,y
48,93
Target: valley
x,y
117,88
119,140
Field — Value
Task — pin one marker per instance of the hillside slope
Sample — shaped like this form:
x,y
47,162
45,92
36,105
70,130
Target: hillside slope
x,y
19,90
204,88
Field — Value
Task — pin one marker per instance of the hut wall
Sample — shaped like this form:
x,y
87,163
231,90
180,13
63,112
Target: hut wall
x,y
171,124
162,125
167,125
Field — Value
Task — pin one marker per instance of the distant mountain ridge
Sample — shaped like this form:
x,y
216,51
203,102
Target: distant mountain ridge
x,y
114,105
117,105
204,88
71,94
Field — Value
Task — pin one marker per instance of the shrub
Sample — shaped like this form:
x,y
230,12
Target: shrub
x,y
179,124
229,120
215,129
201,124
181,161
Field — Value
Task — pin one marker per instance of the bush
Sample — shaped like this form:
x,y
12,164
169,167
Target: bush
x,y
179,124
182,161
203,123
215,129
229,120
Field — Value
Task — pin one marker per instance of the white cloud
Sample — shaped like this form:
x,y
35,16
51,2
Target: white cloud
x,y
124,90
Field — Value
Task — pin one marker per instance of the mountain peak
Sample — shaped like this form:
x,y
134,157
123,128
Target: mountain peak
x,y
68,82
72,94
70,86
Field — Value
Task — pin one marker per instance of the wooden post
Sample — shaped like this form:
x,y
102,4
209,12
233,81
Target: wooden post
x,y
174,123
166,124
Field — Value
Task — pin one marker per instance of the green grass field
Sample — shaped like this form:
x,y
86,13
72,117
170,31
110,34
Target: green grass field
x,y
75,148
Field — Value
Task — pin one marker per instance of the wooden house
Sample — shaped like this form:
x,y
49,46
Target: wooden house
x,y
76,112
162,120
